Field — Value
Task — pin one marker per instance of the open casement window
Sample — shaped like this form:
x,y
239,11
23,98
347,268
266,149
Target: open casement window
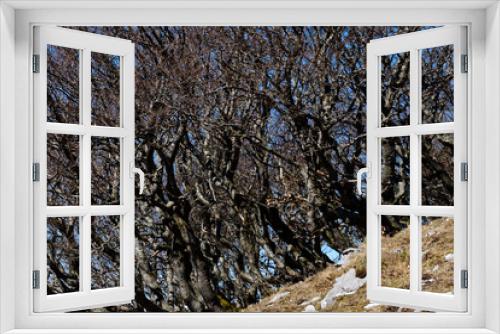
x,y
417,171
83,170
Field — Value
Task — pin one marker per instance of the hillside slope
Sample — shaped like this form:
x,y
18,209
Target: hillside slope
x,y
342,288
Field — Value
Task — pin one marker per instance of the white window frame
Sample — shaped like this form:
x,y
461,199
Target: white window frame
x,y
85,44
16,20
413,43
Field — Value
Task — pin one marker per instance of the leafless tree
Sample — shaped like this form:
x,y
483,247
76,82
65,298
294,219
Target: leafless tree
x,y
250,138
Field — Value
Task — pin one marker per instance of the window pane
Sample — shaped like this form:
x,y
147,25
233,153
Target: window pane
x,y
437,84
395,252
105,89
105,171
437,170
63,170
437,254
395,170
63,261
395,84
105,252
63,85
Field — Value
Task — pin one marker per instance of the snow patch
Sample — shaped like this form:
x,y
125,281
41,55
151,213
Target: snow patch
x,y
350,250
310,308
278,296
347,284
310,301
370,306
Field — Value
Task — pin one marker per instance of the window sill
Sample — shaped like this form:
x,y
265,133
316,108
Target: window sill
x,y
254,331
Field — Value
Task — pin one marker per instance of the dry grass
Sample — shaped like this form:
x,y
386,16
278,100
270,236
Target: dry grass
x,y
437,274
437,239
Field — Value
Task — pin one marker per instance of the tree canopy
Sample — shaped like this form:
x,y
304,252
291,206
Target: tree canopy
x,y
250,138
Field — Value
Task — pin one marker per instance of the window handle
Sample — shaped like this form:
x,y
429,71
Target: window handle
x,y
134,170
359,177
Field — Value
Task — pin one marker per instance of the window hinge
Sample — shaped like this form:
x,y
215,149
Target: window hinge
x,y
465,64
464,171
36,172
36,279
464,279
36,63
